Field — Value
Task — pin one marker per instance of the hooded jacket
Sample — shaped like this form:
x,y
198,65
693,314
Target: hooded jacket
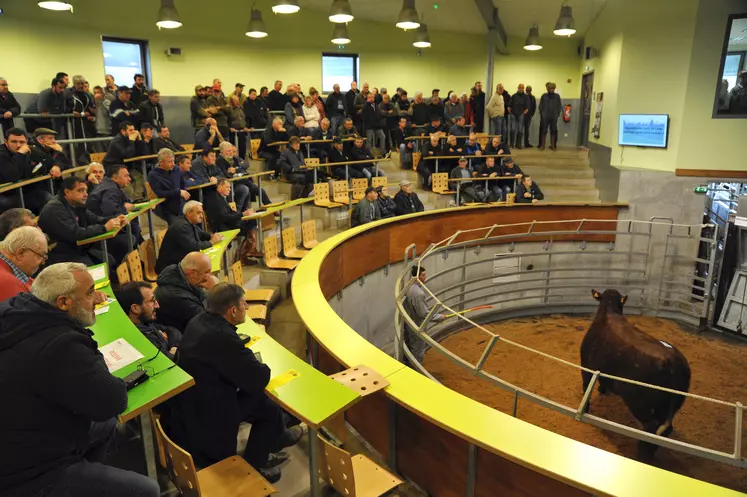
x,y
54,383
181,238
178,301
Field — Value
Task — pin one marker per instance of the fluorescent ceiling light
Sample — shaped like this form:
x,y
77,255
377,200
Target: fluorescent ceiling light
x,y
422,40
257,27
408,16
61,6
340,35
340,11
286,7
533,40
565,26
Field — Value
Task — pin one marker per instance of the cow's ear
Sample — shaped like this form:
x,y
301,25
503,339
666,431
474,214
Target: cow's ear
x,y
595,294
623,299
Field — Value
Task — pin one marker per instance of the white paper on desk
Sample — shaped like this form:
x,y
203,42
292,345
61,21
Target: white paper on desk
x,y
119,354
101,310
98,273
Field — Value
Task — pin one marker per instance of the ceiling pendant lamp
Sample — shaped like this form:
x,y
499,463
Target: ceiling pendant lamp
x,y
565,26
422,40
286,7
340,35
168,17
340,11
533,40
60,6
408,16
257,27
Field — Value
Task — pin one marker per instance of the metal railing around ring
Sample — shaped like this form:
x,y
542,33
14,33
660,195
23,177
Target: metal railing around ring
x,y
681,244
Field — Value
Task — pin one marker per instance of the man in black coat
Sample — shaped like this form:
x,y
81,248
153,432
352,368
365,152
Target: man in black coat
x,y
208,136
9,106
550,108
528,191
275,99
181,290
338,154
273,134
123,109
229,389
407,201
126,145
477,102
151,110
64,400
335,107
292,164
109,200
184,236
45,151
257,115
66,221
360,152
222,218
138,301
163,140
16,165
324,132
531,110
350,96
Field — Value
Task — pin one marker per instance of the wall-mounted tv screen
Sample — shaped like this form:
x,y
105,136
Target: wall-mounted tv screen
x,y
644,130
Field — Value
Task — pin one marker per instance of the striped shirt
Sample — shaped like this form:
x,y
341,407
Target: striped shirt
x,y
23,277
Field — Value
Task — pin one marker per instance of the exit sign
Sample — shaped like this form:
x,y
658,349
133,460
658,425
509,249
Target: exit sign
x,y
701,189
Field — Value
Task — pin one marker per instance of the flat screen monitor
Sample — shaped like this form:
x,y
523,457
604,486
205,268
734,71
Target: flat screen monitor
x,y
644,130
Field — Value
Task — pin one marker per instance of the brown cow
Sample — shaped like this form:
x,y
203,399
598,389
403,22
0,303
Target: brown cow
x,y
614,346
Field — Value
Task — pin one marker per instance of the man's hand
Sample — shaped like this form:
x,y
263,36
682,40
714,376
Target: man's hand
x,y
56,147
231,170
172,350
282,129
248,212
127,113
55,172
245,130
213,179
122,220
7,115
185,194
478,153
527,195
112,224
99,297
76,113
534,200
93,179
233,130
525,112
493,175
129,206
163,335
216,238
134,136
306,138
24,149
251,129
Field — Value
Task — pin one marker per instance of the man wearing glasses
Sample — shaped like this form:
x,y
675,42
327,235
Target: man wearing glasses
x,y
21,254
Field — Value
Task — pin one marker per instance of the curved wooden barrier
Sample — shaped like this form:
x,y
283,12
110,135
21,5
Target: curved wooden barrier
x,y
431,432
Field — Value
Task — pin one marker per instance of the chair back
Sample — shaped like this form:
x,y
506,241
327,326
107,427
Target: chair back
x,y
359,188
289,239
188,147
135,266
148,256
336,466
232,205
482,139
98,156
416,156
254,148
378,181
440,182
159,237
312,161
321,193
123,274
180,465
271,247
308,232
238,274
340,191
151,194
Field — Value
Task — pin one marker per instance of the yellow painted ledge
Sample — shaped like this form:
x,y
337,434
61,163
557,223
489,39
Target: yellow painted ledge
x,y
548,453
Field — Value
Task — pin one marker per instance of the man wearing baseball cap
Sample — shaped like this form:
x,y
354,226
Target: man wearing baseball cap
x,y
217,100
123,110
239,92
406,200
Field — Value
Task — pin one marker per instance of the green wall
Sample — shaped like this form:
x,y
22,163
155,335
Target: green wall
x,y
214,45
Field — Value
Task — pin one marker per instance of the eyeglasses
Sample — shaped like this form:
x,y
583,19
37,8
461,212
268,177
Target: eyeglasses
x,y
43,257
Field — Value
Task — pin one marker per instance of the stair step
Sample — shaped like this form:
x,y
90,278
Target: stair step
x,y
551,181
557,172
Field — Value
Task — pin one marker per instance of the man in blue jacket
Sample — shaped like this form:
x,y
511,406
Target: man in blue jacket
x,y
109,199
64,400
165,182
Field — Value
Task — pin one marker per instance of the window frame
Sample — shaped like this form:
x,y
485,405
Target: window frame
x,y
144,56
356,66
724,53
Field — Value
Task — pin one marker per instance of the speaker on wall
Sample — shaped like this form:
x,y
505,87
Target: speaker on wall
x,y
590,53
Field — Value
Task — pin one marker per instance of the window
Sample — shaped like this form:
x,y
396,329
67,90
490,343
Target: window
x,y
125,58
731,90
340,69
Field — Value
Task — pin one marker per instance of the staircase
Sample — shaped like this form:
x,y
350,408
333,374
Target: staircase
x,y
564,175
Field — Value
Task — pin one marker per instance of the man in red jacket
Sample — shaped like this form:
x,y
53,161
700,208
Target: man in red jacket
x,y
21,254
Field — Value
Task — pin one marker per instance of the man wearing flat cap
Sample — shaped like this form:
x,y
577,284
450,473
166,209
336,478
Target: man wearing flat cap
x,y
406,200
47,156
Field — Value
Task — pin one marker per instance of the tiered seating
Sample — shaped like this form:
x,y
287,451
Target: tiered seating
x,y
340,193
290,248
135,266
308,234
272,259
359,188
321,196
440,184
379,181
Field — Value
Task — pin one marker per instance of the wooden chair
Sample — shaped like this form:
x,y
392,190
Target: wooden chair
x,y
159,237
98,157
232,476
135,266
440,184
256,312
188,147
312,161
340,193
308,234
148,256
416,156
254,148
268,223
359,188
482,139
321,196
378,181
123,274
151,194
232,205
353,476
272,259
290,247
264,295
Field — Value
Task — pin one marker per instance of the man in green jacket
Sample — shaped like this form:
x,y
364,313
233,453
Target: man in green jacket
x,y
367,209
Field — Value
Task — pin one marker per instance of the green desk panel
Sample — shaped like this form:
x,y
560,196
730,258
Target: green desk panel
x,y
215,253
139,211
115,324
278,208
312,397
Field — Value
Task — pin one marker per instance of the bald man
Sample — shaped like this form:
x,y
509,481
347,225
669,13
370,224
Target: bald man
x,y
208,136
181,290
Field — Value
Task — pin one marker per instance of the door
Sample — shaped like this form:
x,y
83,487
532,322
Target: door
x,y
587,90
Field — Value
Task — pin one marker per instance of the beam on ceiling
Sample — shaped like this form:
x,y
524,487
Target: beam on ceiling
x,y
489,14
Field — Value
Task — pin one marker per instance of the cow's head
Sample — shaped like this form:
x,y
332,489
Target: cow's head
x,y
612,300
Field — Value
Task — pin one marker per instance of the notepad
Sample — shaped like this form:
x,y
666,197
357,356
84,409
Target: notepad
x,y
101,310
252,341
282,379
98,272
119,354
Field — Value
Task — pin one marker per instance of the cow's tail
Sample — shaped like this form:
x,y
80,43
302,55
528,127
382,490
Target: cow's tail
x,y
681,383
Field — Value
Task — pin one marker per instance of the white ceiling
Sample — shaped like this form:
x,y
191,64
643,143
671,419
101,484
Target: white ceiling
x,y
462,16
738,35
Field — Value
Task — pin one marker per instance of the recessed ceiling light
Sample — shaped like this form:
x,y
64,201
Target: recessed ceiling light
x,y
60,6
